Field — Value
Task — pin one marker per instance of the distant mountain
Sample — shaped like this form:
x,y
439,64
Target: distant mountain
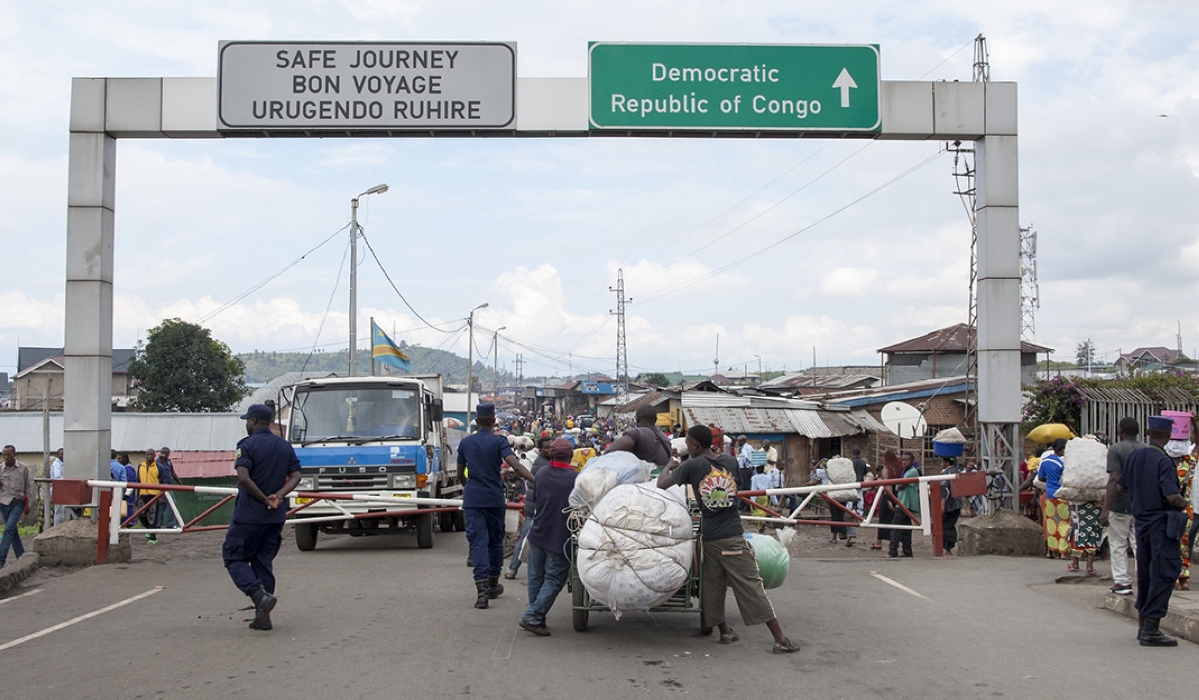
x,y
263,366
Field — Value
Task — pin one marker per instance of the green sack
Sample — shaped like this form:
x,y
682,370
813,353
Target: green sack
x,y
773,559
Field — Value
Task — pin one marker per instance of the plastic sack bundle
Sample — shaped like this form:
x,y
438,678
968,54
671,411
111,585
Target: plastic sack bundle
x,y
1084,479
950,436
840,471
593,483
773,559
635,549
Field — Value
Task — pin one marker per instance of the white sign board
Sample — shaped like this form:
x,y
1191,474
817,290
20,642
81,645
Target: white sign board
x,y
370,86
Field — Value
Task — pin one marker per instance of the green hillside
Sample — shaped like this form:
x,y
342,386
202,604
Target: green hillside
x,y
263,366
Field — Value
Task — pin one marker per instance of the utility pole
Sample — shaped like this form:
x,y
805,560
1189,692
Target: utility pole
x,y
716,362
1030,291
354,230
470,360
622,350
495,364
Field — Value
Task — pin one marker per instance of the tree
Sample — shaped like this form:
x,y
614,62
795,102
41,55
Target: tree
x,y
657,379
1085,354
181,367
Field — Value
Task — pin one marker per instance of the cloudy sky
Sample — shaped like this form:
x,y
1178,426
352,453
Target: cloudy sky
x,y
1109,157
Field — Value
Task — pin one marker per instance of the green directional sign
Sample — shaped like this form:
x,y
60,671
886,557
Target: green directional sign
x,y
727,87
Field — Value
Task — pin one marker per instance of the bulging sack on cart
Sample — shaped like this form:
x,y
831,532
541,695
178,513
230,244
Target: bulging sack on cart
x,y
603,473
635,549
773,559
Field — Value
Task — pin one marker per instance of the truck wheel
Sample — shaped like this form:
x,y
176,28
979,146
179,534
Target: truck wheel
x,y
460,520
579,618
424,531
445,521
306,537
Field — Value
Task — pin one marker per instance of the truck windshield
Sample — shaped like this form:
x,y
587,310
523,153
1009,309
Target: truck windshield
x,y
355,414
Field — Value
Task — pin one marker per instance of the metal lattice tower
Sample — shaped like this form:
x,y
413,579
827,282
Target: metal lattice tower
x,y
982,60
1030,291
622,349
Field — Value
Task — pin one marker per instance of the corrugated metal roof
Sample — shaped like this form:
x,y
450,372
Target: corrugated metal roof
x,y
134,431
802,421
949,340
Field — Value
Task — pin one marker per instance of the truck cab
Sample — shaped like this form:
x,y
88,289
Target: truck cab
x,y
379,436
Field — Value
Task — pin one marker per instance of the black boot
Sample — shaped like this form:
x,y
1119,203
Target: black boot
x,y
264,603
483,590
495,589
1151,634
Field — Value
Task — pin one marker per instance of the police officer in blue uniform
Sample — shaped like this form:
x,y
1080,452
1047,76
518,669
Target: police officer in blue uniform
x,y
484,455
267,470
1151,480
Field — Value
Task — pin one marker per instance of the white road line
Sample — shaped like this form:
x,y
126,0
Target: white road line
x,y
81,618
23,595
508,633
882,578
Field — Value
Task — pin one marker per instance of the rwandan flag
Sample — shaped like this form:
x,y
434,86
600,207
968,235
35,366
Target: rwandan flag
x,y
387,352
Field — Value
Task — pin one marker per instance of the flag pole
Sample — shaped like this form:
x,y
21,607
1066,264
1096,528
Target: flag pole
x,y
372,346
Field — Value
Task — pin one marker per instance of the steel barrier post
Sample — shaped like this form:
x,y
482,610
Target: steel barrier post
x,y
102,521
934,505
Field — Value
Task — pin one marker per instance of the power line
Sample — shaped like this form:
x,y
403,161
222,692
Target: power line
x,y
325,316
394,287
691,283
227,305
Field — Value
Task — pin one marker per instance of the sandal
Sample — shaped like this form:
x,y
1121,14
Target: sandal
x,y
729,638
787,647
509,575
1092,572
1071,567
876,545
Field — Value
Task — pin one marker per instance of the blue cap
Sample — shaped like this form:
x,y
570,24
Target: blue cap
x,y
485,410
260,412
1160,423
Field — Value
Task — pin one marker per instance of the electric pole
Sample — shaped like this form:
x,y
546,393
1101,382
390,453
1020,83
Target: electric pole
x,y
622,350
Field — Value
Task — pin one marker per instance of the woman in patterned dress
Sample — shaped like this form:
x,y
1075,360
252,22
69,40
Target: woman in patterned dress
x,y
1056,512
1085,535
1184,456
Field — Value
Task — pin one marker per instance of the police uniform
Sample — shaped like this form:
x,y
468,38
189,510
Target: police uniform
x,y
255,533
483,455
1150,477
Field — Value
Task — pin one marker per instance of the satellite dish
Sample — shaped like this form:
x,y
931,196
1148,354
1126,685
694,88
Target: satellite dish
x,y
904,420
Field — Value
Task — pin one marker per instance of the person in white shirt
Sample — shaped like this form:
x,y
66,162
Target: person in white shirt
x,y
61,513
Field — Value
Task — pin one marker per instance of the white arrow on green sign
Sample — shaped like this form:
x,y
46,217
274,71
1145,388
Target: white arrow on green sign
x,y
734,87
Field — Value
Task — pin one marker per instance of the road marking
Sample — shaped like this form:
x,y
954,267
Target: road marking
x,y
884,579
81,618
507,633
23,595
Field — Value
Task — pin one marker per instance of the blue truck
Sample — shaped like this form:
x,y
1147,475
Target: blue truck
x,y
377,436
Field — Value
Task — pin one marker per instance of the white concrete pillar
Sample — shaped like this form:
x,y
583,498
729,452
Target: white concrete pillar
x,y
91,199
998,279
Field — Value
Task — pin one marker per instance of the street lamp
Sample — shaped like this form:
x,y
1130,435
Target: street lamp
x,y
759,368
470,359
495,363
377,189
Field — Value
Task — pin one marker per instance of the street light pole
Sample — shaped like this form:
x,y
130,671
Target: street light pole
x,y
759,368
495,363
470,360
377,189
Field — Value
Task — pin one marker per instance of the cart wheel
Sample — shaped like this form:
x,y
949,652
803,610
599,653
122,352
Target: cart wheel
x,y
579,617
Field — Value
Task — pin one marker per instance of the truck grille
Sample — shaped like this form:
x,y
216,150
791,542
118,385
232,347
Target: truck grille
x,y
350,482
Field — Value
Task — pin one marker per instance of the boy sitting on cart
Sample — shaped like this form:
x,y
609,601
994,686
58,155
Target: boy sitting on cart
x,y
728,557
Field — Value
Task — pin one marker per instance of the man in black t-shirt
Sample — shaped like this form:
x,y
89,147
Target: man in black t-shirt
x,y
645,441
728,558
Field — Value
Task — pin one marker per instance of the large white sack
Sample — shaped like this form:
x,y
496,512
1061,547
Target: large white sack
x,y
636,547
1084,479
840,471
623,468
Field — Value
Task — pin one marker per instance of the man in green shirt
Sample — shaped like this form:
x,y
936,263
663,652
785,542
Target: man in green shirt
x,y
909,497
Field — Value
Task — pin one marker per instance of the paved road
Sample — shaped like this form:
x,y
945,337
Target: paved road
x,y
380,618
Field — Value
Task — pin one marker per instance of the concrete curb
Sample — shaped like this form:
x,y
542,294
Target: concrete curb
x,y
1181,624
13,574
